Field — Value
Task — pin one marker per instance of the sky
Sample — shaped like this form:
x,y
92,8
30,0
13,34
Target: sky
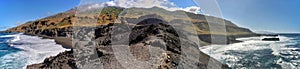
x,y
281,16
16,12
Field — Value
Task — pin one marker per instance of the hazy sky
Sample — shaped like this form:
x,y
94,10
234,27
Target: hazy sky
x,y
263,15
258,15
14,12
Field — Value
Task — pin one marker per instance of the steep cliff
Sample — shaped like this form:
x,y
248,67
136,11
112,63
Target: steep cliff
x,y
59,25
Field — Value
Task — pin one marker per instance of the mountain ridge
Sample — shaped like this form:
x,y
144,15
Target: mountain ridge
x,y
58,18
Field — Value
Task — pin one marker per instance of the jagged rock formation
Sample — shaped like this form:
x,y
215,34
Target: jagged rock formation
x,y
156,35
64,60
147,33
271,39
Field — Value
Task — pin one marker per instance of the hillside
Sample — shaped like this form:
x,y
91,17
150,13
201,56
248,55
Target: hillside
x,y
95,27
59,23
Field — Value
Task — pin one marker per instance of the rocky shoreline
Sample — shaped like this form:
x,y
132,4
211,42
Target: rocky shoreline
x,y
66,60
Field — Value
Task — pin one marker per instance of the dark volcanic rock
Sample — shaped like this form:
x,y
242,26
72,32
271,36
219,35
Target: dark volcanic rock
x,y
273,35
152,34
271,39
64,60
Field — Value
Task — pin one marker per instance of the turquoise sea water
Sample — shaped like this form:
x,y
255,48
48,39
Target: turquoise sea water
x,y
18,50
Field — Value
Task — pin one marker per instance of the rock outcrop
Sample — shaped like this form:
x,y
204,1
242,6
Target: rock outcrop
x,y
271,39
64,60
154,34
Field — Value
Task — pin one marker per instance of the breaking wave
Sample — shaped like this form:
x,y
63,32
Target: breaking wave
x,y
254,53
26,50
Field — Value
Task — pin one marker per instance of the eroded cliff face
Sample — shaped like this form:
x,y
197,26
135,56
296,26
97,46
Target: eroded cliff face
x,y
158,34
59,25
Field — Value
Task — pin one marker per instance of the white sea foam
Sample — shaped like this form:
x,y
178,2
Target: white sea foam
x,y
33,50
3,50
16,38
252,44
13,35
7,36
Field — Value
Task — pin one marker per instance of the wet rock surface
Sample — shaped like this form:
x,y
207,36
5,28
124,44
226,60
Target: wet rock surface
x,y
271,39
64,60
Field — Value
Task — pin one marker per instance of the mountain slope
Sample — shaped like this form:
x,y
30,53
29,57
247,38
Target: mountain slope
x,y
55,24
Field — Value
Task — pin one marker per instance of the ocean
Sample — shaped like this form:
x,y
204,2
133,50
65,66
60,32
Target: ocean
x,y
18,50
253,53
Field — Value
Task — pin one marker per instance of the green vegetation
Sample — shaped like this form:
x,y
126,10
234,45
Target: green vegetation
x,y
111,10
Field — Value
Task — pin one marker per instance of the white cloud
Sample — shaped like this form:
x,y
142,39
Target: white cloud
x,y
149,4
94,6
137,3
193,9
